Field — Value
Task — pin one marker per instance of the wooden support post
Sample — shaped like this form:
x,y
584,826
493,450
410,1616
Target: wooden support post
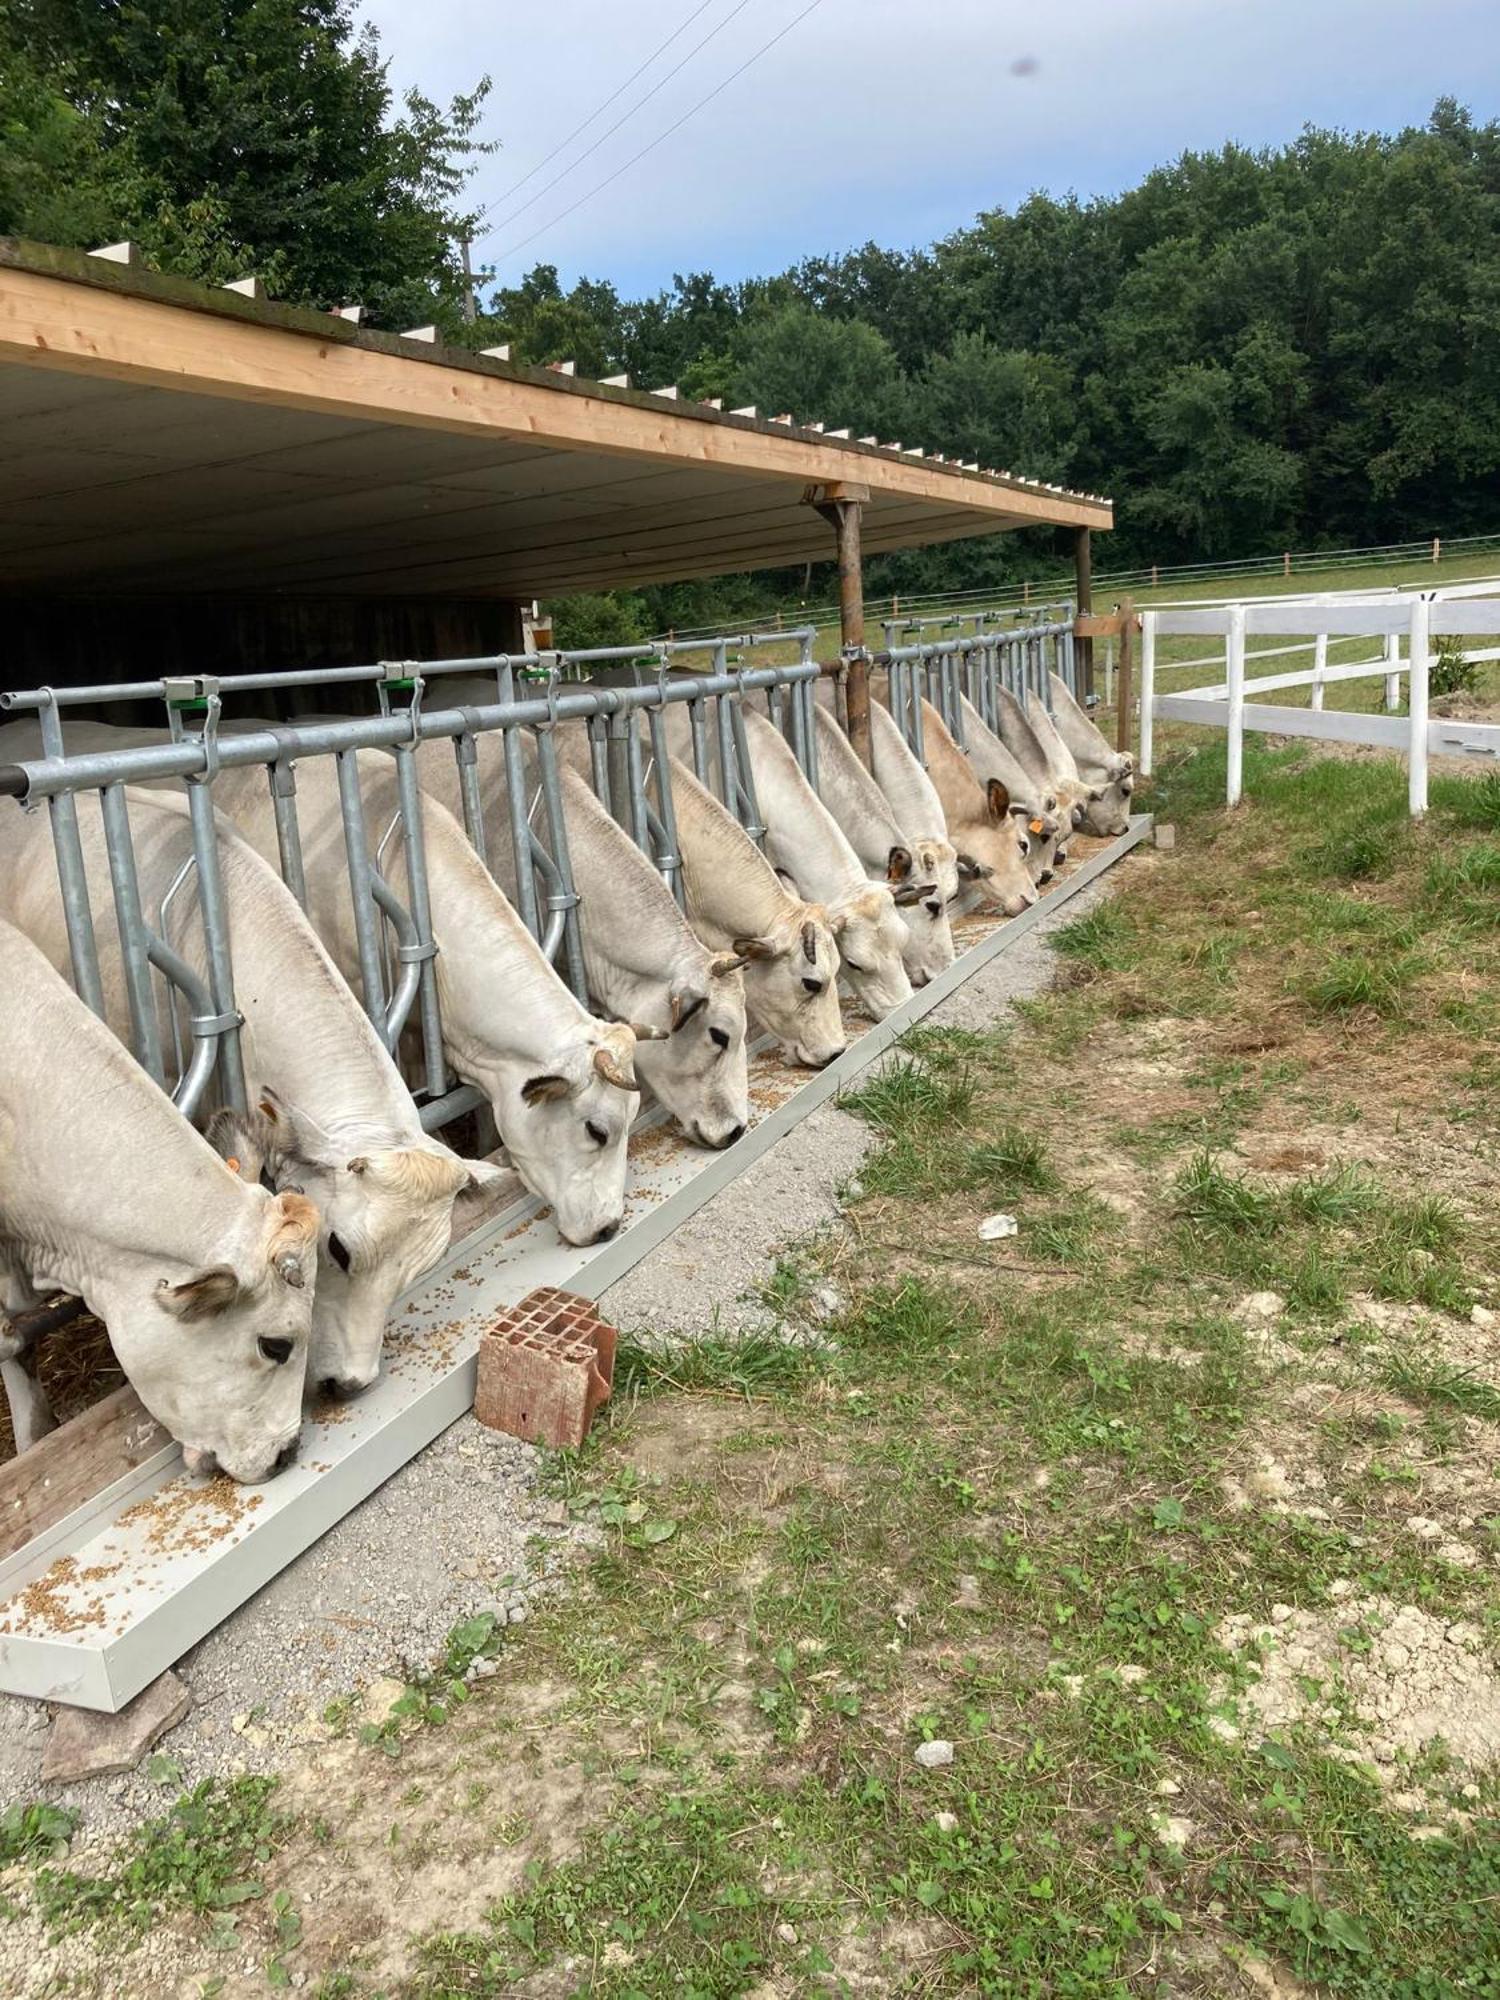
x,y
1083,592
1122,685
842,505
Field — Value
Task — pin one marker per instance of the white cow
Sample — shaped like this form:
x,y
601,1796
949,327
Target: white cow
x,y
332,1116
561,1084
865,817
205,1283
986,828
1109,772
991,759
737,902
644,964
913,799
805,846
1030,738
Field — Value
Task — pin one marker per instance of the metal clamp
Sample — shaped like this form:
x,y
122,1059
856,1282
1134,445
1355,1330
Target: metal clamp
x,y
416,954
205,1025
467,749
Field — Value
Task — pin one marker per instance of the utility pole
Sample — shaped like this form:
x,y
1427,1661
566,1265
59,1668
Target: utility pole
x,y
470,312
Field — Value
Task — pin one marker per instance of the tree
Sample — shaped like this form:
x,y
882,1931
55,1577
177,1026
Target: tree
x,y
837,372
229,136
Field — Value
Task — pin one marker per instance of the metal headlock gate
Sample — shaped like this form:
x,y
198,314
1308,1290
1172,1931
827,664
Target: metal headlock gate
x,y
161,1570
976,665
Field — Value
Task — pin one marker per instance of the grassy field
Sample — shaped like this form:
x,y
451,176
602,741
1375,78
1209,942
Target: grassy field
x,y
1110,1610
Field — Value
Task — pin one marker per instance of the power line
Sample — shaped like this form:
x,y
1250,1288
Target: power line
x,y
692,112
563,145
624,119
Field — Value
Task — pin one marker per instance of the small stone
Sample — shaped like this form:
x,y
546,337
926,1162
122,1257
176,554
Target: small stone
x,y
1280,1613
1167,1788
1262,1305
1130,1674
947,1822
829,1301
380,1698
1171,1830
1164,838
518,1614
1470,1791
787,1933
1223,1728
933,1756
1482,1316
555,1514
995,1228
968,1593
85,1744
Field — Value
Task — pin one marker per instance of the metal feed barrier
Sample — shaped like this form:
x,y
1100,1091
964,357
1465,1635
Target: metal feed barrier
x,y
976,666
1229,704
60,1639
395,942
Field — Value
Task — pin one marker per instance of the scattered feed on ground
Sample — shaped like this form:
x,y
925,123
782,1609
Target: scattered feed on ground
x,y
1165,1530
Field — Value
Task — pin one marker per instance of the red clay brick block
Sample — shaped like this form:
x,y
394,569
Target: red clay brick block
x,y
545,1366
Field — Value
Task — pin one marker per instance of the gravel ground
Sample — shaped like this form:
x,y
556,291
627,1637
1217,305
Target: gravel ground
x,y
462,1528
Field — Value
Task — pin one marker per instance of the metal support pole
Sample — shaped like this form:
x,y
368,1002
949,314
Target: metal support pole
x,y
366,924
72,876
565,896
145,1035
283,781
215,917
520,829
419,902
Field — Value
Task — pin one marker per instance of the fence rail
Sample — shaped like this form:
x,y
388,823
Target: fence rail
x,y
394,937
1231,704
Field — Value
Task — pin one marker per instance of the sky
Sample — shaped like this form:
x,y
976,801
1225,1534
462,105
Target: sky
x,y
888,120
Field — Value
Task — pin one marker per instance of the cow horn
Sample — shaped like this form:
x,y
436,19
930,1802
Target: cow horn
x,y
644,1033
289,1267
724,962
606,1067
810,942
913,892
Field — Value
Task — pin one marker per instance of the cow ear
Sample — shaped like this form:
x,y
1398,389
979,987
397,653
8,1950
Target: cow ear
x,y
242,1143
685,1004
972,870
545,1089
898,864
756,947
202,1297
482,1174
998,797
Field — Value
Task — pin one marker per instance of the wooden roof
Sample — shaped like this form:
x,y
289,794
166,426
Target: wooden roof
x,y
164,437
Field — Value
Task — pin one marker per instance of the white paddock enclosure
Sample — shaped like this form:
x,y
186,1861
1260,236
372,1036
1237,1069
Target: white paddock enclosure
x,y
97,1606
1391,622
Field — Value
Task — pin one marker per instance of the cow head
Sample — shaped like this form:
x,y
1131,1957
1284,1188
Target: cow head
x,y
871,940
937,861
994,852
565,1114
696,1062
927,948
1106,810
386,1210
791,985
1044,835
218,1354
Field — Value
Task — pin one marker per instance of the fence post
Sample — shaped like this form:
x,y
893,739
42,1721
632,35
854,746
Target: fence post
x,y
1286,564
1122,706
1392,680
1416,765
1148,690
1320,667
1234,674
1437,548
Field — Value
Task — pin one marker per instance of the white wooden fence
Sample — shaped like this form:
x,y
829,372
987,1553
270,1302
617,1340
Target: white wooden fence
x,y
1233,704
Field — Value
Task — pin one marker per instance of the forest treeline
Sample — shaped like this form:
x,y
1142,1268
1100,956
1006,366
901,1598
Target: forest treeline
x,y
1251,351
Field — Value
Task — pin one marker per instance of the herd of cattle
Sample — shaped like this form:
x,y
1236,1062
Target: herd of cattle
x,y
240,1266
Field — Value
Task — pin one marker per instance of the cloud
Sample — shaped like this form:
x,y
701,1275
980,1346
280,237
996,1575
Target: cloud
x,y
897,120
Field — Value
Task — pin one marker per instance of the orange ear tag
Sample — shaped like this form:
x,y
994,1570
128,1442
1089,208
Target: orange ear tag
x,y
232,1164
1037,825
